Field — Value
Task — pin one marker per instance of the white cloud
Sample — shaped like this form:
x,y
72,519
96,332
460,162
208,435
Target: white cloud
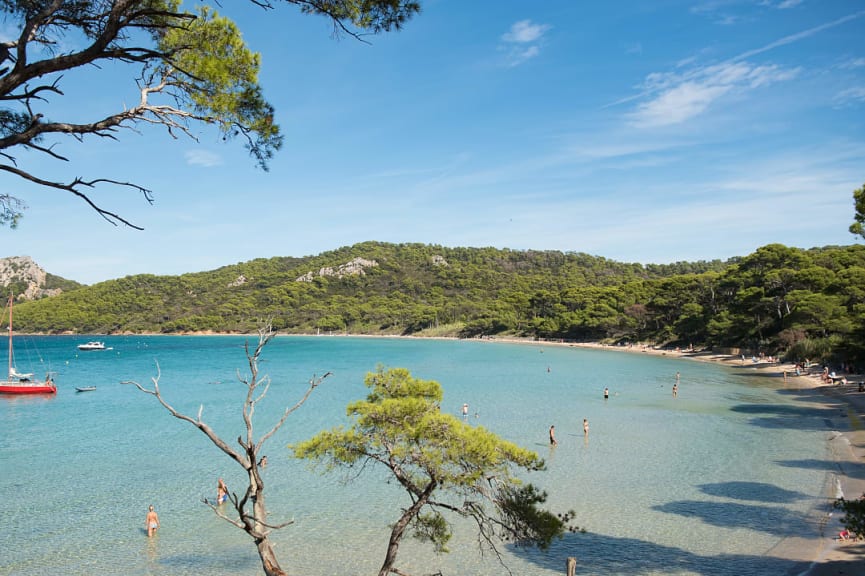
x,y
660,81
728,20
202,158
781,4
712,6
677,104
852,63
680,97
522,41
784,4
852,95
524,32
592,149
790,39
517,57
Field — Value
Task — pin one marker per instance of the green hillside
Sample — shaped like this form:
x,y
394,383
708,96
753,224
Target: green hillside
x,y
775,299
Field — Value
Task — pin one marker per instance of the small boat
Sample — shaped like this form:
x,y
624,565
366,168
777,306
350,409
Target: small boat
x,y
93,346
18,383
85,388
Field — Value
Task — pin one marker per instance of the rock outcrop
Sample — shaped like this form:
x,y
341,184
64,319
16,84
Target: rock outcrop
x,y
355,267
239,281
22,270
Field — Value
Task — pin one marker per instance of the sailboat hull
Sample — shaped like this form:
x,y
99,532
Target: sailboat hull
x,y
27,388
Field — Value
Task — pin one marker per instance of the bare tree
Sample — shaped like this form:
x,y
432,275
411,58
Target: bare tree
x,y
250,508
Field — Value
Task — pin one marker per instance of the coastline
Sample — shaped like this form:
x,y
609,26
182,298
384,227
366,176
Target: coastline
x,y
845,407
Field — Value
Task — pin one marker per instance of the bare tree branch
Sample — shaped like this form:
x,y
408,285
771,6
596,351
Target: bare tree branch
x,y
73,187
250,506
198,423
195,60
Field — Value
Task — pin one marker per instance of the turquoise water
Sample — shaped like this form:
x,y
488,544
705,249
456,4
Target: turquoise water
x,y
706,483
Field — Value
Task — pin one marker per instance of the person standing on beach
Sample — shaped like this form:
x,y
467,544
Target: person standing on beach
x,y
465,411
675,389
151,522
553,441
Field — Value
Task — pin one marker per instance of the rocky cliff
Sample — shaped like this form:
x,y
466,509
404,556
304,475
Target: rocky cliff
x,y
354,268
25,277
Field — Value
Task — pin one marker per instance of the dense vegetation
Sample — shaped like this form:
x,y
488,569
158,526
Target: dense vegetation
x,y
807,303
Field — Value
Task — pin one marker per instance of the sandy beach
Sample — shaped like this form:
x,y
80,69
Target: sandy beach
x,y
844,406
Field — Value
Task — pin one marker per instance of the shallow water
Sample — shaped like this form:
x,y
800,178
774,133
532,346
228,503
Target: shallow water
x,y
705,483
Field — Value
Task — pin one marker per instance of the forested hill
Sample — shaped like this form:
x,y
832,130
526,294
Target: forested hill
x,y
370,287
775,298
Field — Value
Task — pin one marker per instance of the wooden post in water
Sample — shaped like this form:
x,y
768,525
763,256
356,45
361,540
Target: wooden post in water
x,y
571,565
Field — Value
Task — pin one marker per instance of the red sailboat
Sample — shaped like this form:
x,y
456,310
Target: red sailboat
x,y
17,383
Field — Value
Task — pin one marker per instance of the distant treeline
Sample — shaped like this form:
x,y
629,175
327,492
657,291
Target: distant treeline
x,y
802,303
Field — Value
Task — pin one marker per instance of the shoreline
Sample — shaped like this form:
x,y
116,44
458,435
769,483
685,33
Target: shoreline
x,y
845,435
823,554
846,439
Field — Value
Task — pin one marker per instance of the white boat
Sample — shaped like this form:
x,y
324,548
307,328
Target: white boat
x,y
93,346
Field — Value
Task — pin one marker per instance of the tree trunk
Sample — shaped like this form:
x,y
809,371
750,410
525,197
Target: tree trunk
x,y
398,530
265,550
268,559
393,544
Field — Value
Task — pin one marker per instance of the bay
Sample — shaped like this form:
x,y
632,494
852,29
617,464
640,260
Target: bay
x,y
707,483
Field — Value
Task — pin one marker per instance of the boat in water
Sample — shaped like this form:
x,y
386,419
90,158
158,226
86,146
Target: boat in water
x,y
85,388
18,383
93,346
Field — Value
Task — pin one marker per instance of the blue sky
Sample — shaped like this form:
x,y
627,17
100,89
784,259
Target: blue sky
x,y
647,132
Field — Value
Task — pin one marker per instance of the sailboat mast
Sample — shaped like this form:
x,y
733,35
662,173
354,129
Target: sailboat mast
x,y
8,372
